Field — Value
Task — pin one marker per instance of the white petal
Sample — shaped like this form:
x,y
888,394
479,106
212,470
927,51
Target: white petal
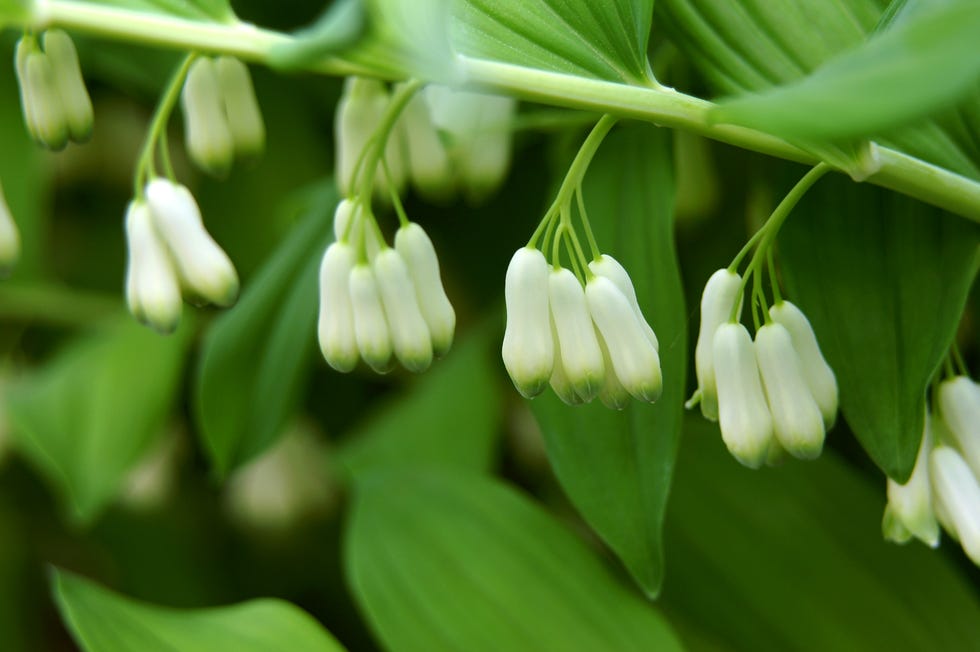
x,y
746,426
634,358
70,85
580,352
336,323
241,107
409,333
415,248
428,160
49,117
613,395
25,46
958,496
559,379
370,325
206,131
202,265
9,237
819,376
152,288
909,511
959,405
610,268
528,349
796,418
717,302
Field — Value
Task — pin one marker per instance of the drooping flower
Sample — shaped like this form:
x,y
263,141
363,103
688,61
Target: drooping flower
x,y
76,106
743,414
609,267
957,496
370,325
44,104
241,108
909,511
797,422
428,161
207,134
818,374
359,114
959,406
528,349
580,352
152,286
409,333
335,329
416,249
717,303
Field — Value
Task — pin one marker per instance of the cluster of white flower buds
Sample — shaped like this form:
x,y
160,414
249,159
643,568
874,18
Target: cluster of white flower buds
x,y
222,119
944,487
377,301
586,341
54,100
171,253
444,140
776,393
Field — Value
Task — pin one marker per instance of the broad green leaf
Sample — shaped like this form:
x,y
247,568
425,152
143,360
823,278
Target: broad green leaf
x,y
792,558
439,560
425,426
604,40
915,68
202,10
616,466
255,356
884,281
103,621
90,414
340,25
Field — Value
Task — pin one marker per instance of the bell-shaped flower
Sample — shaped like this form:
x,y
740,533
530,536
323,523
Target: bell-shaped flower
x,y
335,329
746,425
613,395
957,495
152,286
206,132
717,302
959,405
580,352
76,106
796,419
47,112
359,115
9,237
909,510
818,374
634,358
414,246
26,45
559,381
528,349
242,112
202,265
609,267
428,161
370,325
409,333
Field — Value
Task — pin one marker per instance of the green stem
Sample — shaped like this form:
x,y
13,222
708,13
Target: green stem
x,y
958,360
777,297
379,140
583,214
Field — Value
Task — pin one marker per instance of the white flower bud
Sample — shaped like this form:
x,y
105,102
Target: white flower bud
x,y
203,266
959,406
206,132
336,323
25,46
344,229
613,395
359,114
46,107
634,358
9,237
241,107
717,302
818,374
69,83
528,350
428,160
580,352
609,267
559,381
796,418
409,333
152,287
746,425
909,510
415,248
957,497
370,325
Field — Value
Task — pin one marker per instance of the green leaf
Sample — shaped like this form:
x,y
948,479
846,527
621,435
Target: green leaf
x,y
103,621
907,72
340,26
255,356
616,466
444,561
792,558
422,428
203,10
884,281
603,40
90,414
